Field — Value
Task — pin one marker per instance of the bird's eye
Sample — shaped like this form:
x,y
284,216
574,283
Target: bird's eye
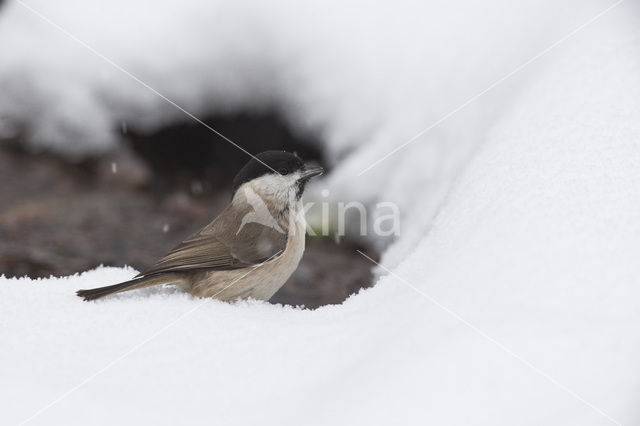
x,y
284,172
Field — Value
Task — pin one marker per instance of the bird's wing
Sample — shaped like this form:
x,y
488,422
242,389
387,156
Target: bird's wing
x,y
219,245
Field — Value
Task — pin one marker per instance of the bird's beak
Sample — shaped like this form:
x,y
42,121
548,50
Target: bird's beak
x,y
311,171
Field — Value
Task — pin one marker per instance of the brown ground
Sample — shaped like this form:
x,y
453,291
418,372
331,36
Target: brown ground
x,y
59,219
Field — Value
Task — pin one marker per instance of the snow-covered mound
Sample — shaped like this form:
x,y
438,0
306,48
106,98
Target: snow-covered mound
x,y
518,304
364,76
358,71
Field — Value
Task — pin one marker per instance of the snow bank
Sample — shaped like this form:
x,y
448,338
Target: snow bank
x,y
364,76
518,304
357,72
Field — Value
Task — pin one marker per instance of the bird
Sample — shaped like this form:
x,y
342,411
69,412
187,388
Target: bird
x,y
250,249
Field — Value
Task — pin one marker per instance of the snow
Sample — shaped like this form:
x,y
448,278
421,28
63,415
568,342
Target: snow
x,y
511,296
361,80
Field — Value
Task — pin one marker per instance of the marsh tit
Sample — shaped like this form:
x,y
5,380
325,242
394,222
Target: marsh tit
x,y
250,249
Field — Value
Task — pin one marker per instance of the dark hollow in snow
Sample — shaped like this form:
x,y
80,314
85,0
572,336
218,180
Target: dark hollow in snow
x,y
130,207
190,150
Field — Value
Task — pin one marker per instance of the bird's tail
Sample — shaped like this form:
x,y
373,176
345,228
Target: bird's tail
x,y
97,293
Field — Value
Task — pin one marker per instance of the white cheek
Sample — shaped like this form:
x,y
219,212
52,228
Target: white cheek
x,y
276,185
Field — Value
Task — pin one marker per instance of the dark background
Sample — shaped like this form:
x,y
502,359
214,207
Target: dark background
x,y
131,206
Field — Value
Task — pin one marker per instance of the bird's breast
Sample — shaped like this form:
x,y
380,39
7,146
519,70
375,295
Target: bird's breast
x,y
258,281
277,271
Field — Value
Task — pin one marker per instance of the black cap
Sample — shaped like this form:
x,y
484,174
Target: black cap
x,y
282,162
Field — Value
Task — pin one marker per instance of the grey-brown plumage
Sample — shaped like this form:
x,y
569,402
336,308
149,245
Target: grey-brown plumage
x,y
250,249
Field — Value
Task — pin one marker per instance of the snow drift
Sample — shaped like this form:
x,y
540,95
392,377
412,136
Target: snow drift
x,y
517,304
363,76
